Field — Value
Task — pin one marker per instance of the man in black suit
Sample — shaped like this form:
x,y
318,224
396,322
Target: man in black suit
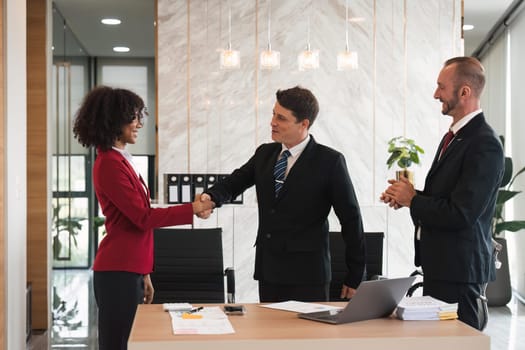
x,y
453,214
292,257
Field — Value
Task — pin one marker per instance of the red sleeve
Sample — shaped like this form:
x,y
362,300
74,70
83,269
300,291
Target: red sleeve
x,y
122,194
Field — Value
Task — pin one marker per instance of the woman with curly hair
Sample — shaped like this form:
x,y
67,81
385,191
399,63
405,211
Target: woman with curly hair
x,y
109,119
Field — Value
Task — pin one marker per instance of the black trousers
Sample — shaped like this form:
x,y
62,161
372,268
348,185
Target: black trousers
x,y
117,294
271,292
472,304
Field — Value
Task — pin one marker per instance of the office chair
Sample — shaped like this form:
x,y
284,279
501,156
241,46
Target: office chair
x,y
373,262
189,267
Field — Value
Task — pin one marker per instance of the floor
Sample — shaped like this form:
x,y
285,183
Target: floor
x,y
74,325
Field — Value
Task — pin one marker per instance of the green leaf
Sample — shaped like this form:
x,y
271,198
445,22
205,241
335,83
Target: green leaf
x,y
507,173
414,157
404,152
514,178
512,226
505,195
404,162
391,160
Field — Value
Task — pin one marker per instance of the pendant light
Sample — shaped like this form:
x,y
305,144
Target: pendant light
x,y
347,60
308,59
269,58
230,59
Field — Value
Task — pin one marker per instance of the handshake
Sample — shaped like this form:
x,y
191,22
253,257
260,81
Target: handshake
x,y
203,205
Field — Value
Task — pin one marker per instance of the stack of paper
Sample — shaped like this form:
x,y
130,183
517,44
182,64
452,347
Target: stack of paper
x,y
426,308
300,306
176,307
208,320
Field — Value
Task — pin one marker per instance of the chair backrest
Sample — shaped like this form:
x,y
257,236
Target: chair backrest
x,y
188,266
374,260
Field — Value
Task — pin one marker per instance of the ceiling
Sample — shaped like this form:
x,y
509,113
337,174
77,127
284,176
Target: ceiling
x,y
138,16
483,14
137,30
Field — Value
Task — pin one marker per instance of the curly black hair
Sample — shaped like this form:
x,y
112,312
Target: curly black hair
x,y
103,113
300,101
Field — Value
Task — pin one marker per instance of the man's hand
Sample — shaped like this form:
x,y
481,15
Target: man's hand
x,y
401,192
389,200
347,292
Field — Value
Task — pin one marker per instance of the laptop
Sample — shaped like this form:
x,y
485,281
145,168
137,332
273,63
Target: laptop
x,y
373,299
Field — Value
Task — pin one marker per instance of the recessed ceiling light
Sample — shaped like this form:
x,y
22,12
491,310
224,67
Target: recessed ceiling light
x,y
111,21
468,27
121,49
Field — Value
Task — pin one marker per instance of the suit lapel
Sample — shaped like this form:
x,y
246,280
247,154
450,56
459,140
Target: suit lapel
x,y
463,134
138,182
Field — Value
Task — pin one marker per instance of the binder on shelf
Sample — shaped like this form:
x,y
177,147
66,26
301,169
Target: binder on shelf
x,y
198,184
211,179
172,189
185,188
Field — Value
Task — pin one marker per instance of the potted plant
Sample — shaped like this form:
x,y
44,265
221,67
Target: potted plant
x,y
499,292
68,225
403,152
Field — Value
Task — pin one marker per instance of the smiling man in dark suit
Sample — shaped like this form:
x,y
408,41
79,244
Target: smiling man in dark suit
x,y
295,195
453,214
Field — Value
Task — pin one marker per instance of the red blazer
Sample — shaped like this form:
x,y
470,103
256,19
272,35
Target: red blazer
x,y
130,220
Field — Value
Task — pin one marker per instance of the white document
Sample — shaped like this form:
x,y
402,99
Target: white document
x,y
173,194
176,307
426,303
209,320
301,307
425,308
186,193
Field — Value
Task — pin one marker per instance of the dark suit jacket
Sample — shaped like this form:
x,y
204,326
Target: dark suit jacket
x,y
292,245
456,207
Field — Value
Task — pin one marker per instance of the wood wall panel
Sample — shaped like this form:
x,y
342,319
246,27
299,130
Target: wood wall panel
x,y
37,205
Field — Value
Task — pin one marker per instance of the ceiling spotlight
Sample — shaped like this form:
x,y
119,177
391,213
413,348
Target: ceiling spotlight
x,y
467,27
121,49
111,21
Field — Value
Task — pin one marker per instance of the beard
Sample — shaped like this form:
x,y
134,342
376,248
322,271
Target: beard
x,y
449,105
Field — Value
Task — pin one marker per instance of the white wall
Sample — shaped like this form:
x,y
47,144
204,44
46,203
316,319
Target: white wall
x,y
504,105
212,120
495,92
15,169
516,129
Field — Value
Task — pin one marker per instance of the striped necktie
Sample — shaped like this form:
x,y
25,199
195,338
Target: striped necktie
x,y
279,170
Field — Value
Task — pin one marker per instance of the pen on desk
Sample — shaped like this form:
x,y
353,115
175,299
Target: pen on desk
x,y
196,309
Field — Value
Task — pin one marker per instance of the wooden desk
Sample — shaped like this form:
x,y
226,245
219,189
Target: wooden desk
x,y
262,328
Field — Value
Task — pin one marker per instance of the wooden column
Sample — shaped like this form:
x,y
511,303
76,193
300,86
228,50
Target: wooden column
x,y
37,204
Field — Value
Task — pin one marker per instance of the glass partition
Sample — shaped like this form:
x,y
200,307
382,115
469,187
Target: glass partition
x,y
71,188
77,221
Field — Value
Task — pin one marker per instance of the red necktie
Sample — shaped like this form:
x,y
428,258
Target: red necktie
x,y
448,137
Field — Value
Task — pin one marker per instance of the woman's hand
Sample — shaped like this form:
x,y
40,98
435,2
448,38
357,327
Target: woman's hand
x,y
148,290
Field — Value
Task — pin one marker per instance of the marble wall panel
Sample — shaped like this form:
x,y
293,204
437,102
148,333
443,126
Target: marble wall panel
x,y
212,120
